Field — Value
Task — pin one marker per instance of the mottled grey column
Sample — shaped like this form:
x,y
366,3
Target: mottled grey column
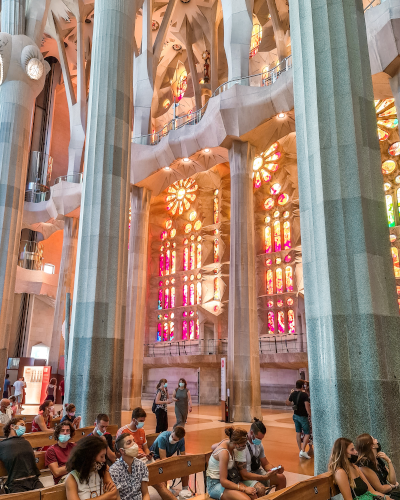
x,y
13,17
65,285
243,351
136,298
352,315
96,351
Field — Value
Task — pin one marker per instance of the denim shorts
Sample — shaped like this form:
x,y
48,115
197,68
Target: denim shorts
x,y
214,488
301,423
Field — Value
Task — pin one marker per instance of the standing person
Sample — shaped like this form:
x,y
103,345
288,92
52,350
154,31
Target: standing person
x,y
19,386
6,388
310,441
350,480
18,458
301,409
183,403
100,429
161,402
5,411
88,475
23,393
57,455
70,412
41,423
130,475
14,406
51,390
62,391
135,429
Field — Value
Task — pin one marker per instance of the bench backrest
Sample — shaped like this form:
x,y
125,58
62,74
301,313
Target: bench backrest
x,y
174,467
54,493
28,495
39,458
150,438
316,488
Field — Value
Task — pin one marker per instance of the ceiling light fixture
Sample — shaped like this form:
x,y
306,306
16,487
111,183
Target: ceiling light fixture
x,y
167,168
281,115
186,160
207,150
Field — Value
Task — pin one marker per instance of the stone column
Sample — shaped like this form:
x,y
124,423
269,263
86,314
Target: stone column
x,y
279,34
352,314
136,298
65,285
13,17
243,350
238,26
96,350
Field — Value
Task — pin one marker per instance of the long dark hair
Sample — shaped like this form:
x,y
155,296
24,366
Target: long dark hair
x,y
83,457
339,460
363,445
45,404
161,383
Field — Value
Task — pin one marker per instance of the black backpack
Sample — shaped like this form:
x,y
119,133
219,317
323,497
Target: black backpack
x,y
154,406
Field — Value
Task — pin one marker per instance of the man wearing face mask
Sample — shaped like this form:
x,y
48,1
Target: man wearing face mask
x,y
100,429
5,411
135,429
57,455
18,458
129,474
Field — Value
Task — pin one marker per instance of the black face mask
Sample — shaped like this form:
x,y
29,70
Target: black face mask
x,y
379,449
353,459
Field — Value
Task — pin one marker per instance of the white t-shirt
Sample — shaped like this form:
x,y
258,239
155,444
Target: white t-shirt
x,y
19,387
244,455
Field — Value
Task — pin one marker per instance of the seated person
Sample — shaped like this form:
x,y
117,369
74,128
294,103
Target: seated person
x,y
350,480
41,423
69,416
57,455
18,458
5,411
100,429
135,429
130,475
376,466
13,406
167,444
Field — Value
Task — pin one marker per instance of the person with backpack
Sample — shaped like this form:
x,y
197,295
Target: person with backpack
x,y
301,410
160,406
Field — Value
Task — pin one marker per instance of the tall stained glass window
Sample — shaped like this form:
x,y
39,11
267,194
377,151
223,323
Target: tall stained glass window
x,y
198,292
197,328
173,262
171,330
185,259
289,279
281,322
167,262
160,297
159,332
191,295
173,301
390,210
287,242
279,280
161,271
191,329
396,264
216,210
185,295
270,282
216,251
398,200
277,236
184,330
198,264
291,324
217,295
268,239
192,262
271,323
166,298
165,332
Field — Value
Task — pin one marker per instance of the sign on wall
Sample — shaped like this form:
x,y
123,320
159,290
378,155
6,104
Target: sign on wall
x,y
223,379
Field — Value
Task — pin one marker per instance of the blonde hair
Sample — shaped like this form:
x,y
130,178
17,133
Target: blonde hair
x,y
339,460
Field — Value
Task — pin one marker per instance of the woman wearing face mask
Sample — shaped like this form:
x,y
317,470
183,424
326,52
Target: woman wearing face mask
x,y
161,401
376,466
350,480
88,475
70,416
183,403
220,485
41,423
57,455
18,458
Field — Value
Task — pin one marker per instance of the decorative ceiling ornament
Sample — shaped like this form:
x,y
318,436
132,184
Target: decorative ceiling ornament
x,y
181,193
266,161
177,47
154,25
34,69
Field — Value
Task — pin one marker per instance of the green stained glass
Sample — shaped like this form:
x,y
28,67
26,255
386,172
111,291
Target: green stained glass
x,y
390,211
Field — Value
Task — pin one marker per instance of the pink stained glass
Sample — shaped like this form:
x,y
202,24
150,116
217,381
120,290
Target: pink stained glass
x,y
266,176
184,330
279,280
161,271
159,333
173,262
198,263
269,204
257,180
185,295
289,279
216,251
268,240
173,297
217,295
165,332
291,323
166,298
185,259
192,262
171,330
160,297
281,322
277,236
167,262
287,242
191,294
216,210
198,292
163,235
271,323
191,329
197,328
270,282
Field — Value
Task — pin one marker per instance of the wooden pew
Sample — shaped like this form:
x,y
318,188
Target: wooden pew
x,y
174,467
316,488
39,458
150,438
28,495
53,493
28,425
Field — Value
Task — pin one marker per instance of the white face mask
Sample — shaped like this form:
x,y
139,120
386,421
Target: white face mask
x,y
171,440
132,451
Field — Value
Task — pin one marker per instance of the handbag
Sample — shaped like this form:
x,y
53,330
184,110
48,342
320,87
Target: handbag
x,y
234,476
154,406
255,461
294,407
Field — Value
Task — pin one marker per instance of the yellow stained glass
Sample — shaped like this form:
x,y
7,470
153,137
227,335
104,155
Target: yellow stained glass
x,y
388,167
273,148
394,149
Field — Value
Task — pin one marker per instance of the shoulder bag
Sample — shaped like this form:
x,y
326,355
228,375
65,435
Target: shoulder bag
x,y
255,461
294,407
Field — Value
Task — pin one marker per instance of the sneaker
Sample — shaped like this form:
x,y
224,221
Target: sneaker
x,y
304,454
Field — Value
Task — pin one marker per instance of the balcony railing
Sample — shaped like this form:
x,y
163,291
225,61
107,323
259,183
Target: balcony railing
x,y
274,344
263,79
31,255
75,178
36,193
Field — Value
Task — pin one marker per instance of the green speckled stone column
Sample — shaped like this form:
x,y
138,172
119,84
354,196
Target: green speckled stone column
x,y
353,323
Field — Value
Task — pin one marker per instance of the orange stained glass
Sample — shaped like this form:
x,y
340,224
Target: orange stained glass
x,y
281,322
198,292
272,149
273,158
394,149
185,259
275,189
388,167
197,225
384,104
161,267
271,323
166,298
388,123
277,236
171,330
283,199
258,161
289,279
272,167
291,323
396,263
191,294
173,297
266,176
217,295
173,262
216,251
287,242
188,228
382,134
269,204
389,112
198,263
257,180
270,282
268,239
192,261
167,262
165,332
279,280
216,210
168,224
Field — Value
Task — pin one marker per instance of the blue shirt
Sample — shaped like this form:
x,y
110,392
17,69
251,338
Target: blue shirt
x,y
162,443
6,385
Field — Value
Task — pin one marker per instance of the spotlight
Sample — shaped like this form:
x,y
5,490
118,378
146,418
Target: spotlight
x,y
186,160
207,150
167,168
281,115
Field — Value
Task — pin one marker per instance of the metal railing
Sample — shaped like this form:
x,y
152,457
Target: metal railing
x,y
283,344
75,178
36,193
31,255
374,3
263,79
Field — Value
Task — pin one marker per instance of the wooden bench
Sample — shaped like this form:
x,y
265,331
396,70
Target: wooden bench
x,y
316,488
150,438
28,425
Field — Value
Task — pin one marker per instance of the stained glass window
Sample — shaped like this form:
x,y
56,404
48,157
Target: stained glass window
x,y
279,280
390,210
291,323
166,298
184,330
216,251
191,329
216,210
287,242
167,261
394,149
173,296
277,236
161,272
160,297
197,328
159,332
171,330
257,180
275,188
198,292
289,279
166,332
185,259
271,323
173,262
216,289
270,203
191,294
198,263
197,225
256,36
270,282
283,199
192,262
185,295
396,264
388,167
180,194
398,200
281,322
268,239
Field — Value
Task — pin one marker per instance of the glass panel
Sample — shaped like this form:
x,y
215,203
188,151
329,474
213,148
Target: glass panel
x,y
191,295
197,328
216,289
398,200
291,323
167,261
192,256
159,332
270,282
216,251
216,210
191,329
289,279
268,240
396,264
390,211
166,332
198,297
173,262
185,259
279,280
271,323
281,322
171,330
184,330
198,263
161,271
160,297
277,236
286,235
185,295
166,298
173,296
